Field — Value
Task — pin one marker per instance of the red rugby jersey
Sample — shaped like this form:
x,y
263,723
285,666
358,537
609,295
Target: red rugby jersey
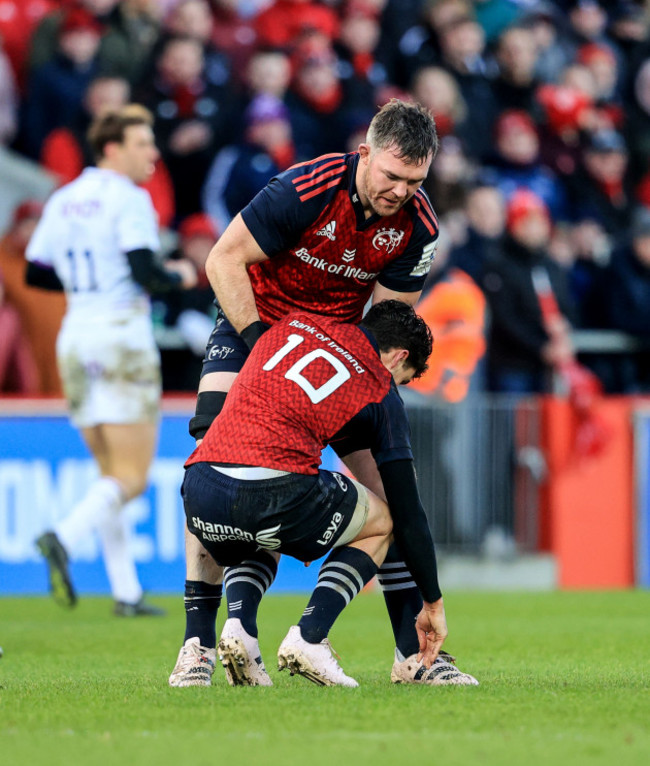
x,y
324,255
305,378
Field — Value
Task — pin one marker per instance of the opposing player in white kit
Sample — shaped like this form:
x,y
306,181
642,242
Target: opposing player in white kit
x,y
96,240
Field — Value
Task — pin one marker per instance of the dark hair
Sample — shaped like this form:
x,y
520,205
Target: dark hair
x,y
109,127
395,324
410,128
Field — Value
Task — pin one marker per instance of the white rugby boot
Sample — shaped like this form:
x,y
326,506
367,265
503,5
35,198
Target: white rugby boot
x,y
313,661
443,672
240,656
194,666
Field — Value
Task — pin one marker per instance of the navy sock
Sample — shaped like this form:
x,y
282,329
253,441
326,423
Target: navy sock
x,y
202,602
245,584
344,573
403,601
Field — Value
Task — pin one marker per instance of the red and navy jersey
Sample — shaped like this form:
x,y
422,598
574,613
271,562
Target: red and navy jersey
x,y
305,379
324,255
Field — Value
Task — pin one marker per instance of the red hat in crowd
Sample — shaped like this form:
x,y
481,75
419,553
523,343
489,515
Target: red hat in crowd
x,y
79,19
590,52
523,203
29,208
513,120
197,225
565,107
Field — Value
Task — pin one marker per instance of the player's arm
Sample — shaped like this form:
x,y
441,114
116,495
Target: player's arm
x,y
40,275
157,279
227,269
381,293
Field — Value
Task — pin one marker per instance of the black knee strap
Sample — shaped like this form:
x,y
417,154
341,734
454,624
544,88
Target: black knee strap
x,y
208,405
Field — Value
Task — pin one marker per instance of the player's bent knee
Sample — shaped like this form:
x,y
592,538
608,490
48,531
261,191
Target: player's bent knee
x,y
208,405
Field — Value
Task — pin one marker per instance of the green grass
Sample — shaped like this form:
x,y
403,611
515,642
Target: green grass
x,y
564,680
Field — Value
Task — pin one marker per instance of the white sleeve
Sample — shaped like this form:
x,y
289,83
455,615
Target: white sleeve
x,y
137,224
39,249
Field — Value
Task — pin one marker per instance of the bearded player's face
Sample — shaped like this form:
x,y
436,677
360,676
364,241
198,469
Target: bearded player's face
x,y
387,182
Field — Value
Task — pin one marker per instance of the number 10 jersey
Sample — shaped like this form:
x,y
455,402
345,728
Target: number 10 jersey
x,y
304,380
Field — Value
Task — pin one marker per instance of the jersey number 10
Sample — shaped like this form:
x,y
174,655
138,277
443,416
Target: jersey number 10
x,y
294,373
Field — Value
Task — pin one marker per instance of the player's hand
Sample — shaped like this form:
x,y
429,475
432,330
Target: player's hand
x,y
190,137
431,627
185,269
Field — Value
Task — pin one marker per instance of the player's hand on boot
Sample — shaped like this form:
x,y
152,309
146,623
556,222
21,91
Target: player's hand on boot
x,y
431,627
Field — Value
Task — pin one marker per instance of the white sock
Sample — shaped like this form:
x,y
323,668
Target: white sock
x,y
118,559
103,500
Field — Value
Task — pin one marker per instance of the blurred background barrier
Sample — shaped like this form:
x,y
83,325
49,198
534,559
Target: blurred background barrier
x,y
511,503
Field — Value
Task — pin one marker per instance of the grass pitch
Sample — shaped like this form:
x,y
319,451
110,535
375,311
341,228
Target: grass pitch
x,y
564,680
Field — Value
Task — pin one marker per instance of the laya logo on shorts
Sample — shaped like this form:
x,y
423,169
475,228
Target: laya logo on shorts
x,y
264,538
219,352
332,528
388,239
339,480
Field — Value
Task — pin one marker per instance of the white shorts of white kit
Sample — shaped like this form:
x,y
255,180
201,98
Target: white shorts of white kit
x,y
110,369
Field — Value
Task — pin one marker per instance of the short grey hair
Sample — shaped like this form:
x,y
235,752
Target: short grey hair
x,y
409,128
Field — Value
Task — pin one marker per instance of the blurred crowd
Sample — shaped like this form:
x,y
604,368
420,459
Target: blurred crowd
x,y
541,184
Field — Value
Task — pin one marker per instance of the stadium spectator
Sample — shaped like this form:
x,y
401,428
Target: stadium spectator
x,y
321,113
462,45
452,171
233,32
131,32
626,302
67,151
269,72
438,91
419,44
602,64
362,73
485,210
194,118
521,354
567,113
241,170
517,163
46,34
96,240
600,190
193,19
516,56
280,254
17,23
546,22
55,89
40,312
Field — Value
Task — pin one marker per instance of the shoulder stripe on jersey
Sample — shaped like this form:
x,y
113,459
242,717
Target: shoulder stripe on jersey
x,y
319,189
426,214
339,160
320,179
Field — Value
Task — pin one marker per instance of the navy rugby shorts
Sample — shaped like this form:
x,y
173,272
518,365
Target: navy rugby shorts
x,y
300,515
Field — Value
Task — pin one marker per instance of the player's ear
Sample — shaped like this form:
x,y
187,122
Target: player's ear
x,y
364,151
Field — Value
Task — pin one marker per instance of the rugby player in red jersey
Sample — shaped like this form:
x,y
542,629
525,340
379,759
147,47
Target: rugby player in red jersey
x,y
326,237
254,481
